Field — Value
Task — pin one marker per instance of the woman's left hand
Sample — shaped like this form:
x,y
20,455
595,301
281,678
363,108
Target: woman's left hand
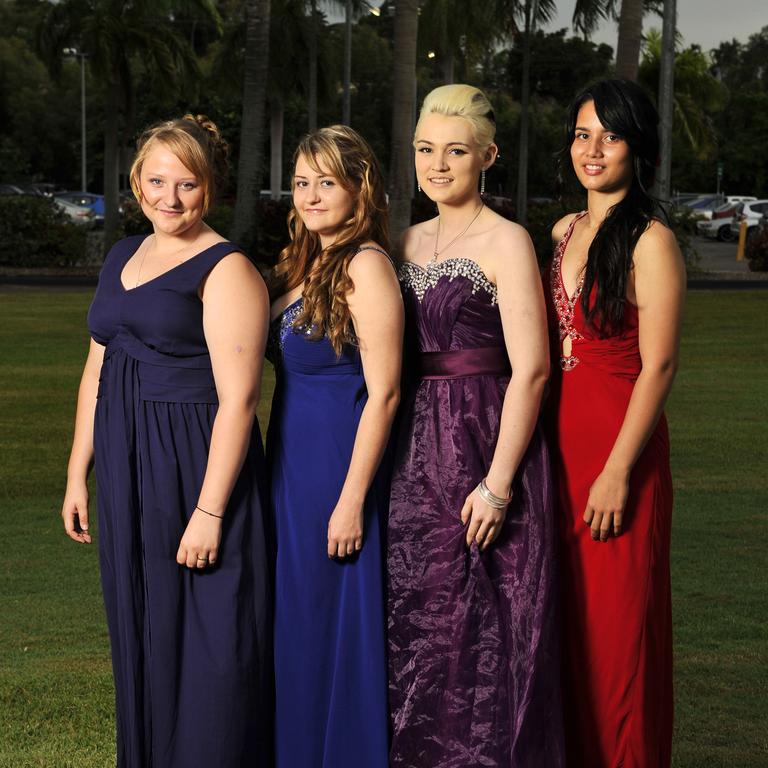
x,y
345,531
199,545
483,523
604,512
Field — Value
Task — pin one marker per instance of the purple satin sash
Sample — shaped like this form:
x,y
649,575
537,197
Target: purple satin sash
x,y
461,363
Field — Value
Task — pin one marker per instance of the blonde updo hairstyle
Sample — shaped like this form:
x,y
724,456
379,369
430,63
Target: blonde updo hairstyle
x,y
345,154
465,101
198,144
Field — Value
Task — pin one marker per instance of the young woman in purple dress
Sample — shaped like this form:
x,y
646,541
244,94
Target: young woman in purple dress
x,y
166,408
473,654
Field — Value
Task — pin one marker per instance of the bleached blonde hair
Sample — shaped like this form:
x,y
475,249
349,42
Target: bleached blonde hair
x,y
465,101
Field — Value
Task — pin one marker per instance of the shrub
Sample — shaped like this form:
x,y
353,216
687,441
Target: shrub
x,y
35,233
757,251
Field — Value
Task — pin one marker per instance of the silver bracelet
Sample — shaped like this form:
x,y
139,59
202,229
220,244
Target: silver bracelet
x,y
490,498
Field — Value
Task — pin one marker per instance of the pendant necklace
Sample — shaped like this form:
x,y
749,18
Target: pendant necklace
x,y
463,232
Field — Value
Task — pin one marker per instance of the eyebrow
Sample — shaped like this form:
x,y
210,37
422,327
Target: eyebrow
x,y
448,144
322,176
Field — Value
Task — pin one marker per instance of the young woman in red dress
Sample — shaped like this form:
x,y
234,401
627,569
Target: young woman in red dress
x,y
615,290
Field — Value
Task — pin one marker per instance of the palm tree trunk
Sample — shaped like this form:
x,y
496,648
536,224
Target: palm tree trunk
x,y
525,106
312,116
666,98
111,164
630,39
403,110
252,126
347,108
449,66
276,121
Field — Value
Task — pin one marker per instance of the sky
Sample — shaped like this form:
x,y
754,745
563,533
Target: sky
x,y
705,22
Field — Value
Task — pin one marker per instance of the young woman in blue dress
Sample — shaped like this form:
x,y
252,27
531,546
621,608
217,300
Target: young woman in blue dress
x,y
337,327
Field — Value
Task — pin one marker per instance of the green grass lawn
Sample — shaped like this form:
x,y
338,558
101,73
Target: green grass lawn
x,y
55,677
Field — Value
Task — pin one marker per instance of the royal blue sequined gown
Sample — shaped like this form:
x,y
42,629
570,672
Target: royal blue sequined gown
x,y
191,650
330,667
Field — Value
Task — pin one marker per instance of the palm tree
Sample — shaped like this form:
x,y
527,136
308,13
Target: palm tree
x,y
249,165
454,27
630,38
114,35
531,13
403,112
587,15
697,95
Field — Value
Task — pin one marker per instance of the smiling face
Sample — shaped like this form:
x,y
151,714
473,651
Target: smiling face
x,y
448,158
602,160
172,197
320,200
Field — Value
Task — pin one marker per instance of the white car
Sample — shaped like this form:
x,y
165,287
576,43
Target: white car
x,y
706,206
79,214
719,225
749,212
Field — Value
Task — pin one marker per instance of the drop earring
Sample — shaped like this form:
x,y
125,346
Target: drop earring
x,y
482,182
418,186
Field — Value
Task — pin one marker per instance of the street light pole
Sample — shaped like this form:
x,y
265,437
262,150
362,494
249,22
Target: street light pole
x,y
83,166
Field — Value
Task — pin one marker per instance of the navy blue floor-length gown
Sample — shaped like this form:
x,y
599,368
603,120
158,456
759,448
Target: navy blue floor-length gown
x,y
191,650
330,666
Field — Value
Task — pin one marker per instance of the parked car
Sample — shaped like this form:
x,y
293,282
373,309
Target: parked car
x,y
87,199
10,189
749,212
719,226
707,205
79,214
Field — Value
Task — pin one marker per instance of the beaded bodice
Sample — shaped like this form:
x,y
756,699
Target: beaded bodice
x,y
450,305
564,304
419,279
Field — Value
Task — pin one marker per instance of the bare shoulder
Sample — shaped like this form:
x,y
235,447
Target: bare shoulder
x,y
413,236
508,233
560,227
235,266
657,246
234,278
657,235
371,256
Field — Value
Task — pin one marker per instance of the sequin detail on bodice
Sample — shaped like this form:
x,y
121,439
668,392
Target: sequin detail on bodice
x,y
281,326
419,279
565,305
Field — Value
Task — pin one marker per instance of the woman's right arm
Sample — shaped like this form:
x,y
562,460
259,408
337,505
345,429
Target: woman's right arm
x,y
74,511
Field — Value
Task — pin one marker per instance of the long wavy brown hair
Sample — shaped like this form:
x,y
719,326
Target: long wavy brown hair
x,y
325,272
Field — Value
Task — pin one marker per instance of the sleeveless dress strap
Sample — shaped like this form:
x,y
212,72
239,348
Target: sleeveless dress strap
x,y
201,265
378,250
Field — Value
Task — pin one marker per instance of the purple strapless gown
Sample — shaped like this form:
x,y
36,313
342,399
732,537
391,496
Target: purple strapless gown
x,y
473,646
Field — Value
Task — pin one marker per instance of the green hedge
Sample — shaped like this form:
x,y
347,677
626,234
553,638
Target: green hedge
x,y
35,233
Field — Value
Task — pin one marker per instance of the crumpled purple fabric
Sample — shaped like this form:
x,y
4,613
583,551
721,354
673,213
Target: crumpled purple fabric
x,y
473,644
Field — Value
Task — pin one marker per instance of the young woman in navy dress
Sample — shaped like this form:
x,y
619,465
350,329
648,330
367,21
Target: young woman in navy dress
x,y
166,408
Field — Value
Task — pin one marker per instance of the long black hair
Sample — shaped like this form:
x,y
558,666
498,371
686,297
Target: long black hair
x,y
622,107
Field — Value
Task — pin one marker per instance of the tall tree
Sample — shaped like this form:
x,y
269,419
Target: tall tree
x,y
249,167
666,98
533,11
403,112
630,39
588,13
115,35
454,28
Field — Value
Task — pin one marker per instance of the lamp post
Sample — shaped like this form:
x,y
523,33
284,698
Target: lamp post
x,y
83,170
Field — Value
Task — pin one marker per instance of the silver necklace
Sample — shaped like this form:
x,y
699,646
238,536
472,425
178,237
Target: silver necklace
x,y
463,232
